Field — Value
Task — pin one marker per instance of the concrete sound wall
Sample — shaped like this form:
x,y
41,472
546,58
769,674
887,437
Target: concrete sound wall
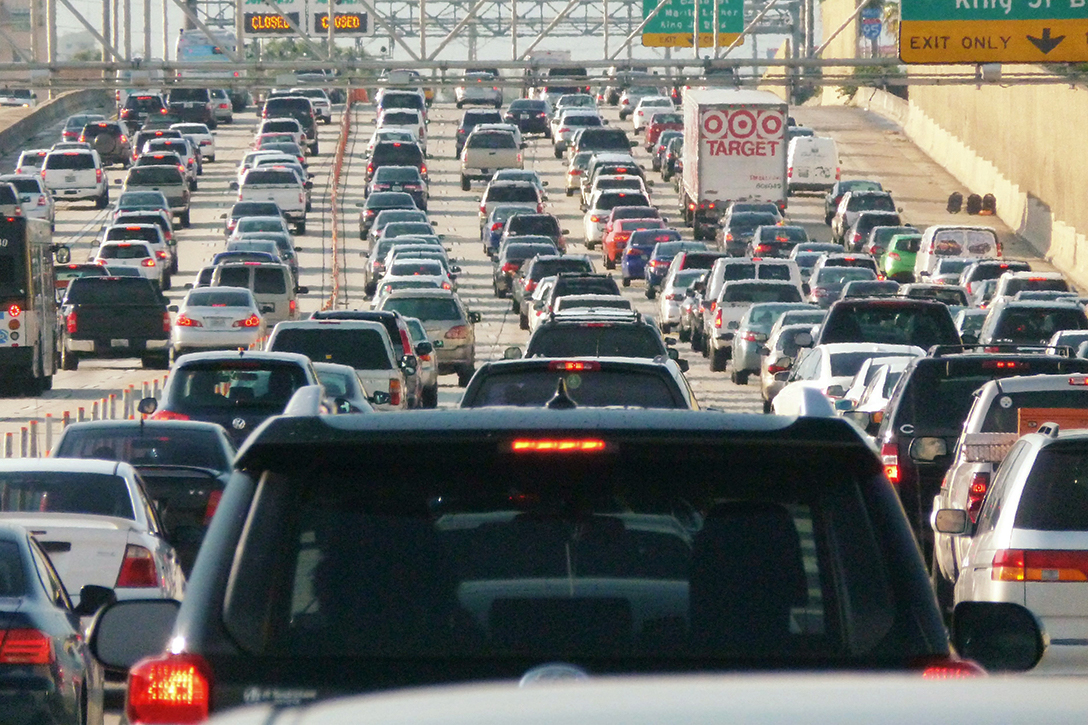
x,y
1020,143
19,125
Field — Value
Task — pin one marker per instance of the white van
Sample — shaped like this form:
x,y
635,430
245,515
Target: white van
x,y
813,163
954,241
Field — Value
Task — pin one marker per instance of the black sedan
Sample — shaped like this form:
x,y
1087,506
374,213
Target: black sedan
x,y
47,673
529,115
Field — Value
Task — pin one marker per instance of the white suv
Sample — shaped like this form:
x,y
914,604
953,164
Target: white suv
x,y
76,174
1030,544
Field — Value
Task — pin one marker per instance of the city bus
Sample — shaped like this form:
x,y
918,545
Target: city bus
x,y
28,305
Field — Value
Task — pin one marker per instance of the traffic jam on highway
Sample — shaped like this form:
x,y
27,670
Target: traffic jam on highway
x,y
597,381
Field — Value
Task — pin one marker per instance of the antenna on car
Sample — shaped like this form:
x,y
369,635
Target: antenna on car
x,y
561,400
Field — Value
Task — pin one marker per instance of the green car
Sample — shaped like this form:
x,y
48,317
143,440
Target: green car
x,y
898,261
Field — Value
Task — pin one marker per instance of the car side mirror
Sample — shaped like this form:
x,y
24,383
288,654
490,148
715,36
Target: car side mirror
x,y
117,182
953,522
409,361
299,249
857,417
62,254
455,269
927,450
147,406
564,231
764,350
969,338
649,183
126,632
474,317
172,308
308,184
1000,636
93,597
782,377
512,353
302,290
673,353
670,340
835,391
683,365
380,397
803,339
424,348
634,143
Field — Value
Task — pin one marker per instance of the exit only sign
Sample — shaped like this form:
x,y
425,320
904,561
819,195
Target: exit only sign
x,y
993,31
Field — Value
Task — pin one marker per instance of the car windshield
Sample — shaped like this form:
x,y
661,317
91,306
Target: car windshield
x,y
506,558
65,492
441,309
533,388
147,447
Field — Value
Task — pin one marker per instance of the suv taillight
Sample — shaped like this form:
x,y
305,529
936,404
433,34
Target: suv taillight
x,y
889,455
394,392
718,319
166,322
71,323
976,494
169,688
26,647
98,176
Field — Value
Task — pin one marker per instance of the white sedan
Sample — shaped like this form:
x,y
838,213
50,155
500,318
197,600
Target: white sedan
x,y
95,522
201,136
647,107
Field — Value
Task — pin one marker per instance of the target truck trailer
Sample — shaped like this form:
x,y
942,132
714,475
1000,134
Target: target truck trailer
x,y
734,150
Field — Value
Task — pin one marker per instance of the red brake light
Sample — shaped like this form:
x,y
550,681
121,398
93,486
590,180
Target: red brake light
x,y
718,318
186,321
976,494
71,323
169,415
394,392
458,332
951,669
15,310
1005,365
98,175
510,267
1040,566
584,445
169,688
575,365
1008,566
137,569
149,262
251,321
889,454
25,647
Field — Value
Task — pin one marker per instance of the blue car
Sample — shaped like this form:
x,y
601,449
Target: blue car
x,y
491,231
47,673
656,267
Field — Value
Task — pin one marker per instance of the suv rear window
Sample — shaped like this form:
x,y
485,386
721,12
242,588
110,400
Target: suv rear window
x,y
256,177
891,324
148,175
8,194
123,251
269,281
69,160
473,551
760,293
547,267
634,340
870,202
116,291
189,95
1055,496
534,388
1035,324
497,193
396,154
491,140
607,201
1005,416
358,348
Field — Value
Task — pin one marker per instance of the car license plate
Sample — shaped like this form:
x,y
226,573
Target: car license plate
x,y
217,322
69,178
118,343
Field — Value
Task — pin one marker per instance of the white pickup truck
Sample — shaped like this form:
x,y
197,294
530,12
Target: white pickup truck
x,y
281,185
487,151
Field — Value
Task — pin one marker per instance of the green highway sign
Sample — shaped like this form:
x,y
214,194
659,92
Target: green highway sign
x,y
673,25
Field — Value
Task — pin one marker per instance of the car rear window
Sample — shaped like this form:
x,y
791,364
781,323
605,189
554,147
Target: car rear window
x,y
400,118
533,388
1004,413
397,173
144,233
1051,284
608,201
521,252
362,349
870,202
891,324
474,551
491,140
69,160
12,580
262,177
123,251
405,268
153,447
166,175
511,192
396,154
596,340
582,120
218,298
842,275
225,385
65,492
1055,496
269,281
440,309
1027,324
189,94
547,267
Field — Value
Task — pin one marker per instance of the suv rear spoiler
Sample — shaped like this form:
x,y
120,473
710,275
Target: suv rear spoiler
x,y
1005,347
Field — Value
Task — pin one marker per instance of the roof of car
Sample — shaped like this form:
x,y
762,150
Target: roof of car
x,y
232,355
73,465
421,292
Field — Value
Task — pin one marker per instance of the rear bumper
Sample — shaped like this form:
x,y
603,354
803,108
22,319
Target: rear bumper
x,y
107,348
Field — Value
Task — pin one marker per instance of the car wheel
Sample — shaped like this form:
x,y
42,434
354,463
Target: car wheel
x,y
766,406
559,155
943,588
68,360
570,192
166,282
300,228
626,281
429,398
464,375
466,184
314,149
460,104
193,186
651,291
684,334
184,218
102,201
609,263
739,378
717,360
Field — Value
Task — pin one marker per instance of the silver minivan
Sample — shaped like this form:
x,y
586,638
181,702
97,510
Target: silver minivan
x,y
272,285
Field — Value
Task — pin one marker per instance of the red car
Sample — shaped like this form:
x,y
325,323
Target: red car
x,y
615,241
662,122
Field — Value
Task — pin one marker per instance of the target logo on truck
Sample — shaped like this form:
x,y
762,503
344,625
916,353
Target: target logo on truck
x,y
742,131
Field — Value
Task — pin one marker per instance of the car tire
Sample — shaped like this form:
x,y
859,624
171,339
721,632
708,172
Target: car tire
x,y
314,149
300,228
944,590
570,192
559,155
683,334
515,307
717,360
739,378
651,291
766,406
429,398
466,183
460,104
184,219
609,263
166,282
193,186
464,375
695,339
626,281
523,321
68,360
103,200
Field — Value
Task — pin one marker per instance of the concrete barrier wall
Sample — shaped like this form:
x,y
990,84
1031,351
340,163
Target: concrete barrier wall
x,y
19,125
